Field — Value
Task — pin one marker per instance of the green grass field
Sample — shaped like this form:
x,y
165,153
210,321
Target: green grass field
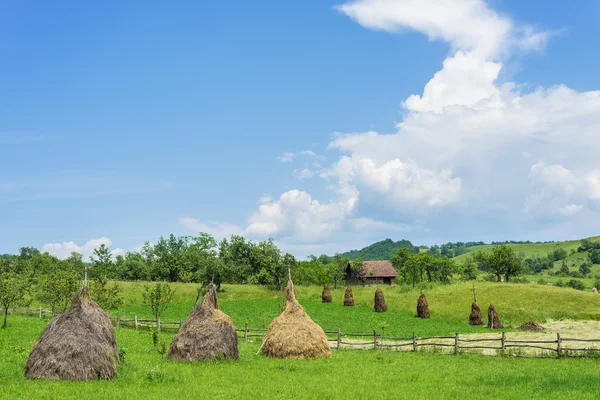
x,y
349,373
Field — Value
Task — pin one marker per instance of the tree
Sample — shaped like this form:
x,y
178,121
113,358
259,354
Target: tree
x,y
564,269
585,268
594,256
469,270
105,295
102,262
500,260
158,298
14,285
402,262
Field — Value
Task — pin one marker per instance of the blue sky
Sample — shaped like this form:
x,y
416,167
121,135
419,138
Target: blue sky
x,y
325,125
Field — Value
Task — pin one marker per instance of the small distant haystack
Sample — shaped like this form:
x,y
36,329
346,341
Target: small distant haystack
x,y
380,305
348,297
293,334
77,345
206,334
531,326
493,320
475,318
594,290
422,307
326,295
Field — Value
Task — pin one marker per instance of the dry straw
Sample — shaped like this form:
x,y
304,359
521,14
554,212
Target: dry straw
x,y
422,307
326,294
380,305
77,345
293,334
493,320
206,334
348,297
475,318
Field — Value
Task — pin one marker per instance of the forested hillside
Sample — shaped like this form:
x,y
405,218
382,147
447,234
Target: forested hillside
x,y
383,250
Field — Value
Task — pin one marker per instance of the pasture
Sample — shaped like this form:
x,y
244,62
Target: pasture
x,y
146,374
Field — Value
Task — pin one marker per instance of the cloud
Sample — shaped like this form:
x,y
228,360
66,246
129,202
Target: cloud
x,y
570,209
289,156
218,229
303,173
64,250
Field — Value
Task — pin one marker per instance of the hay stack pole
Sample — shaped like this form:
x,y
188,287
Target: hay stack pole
x,y
348,297
475,317
77,345
326,294
293,334
493,320
422,307
206,334
379,303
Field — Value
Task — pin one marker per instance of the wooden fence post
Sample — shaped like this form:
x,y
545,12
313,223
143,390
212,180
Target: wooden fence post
x,y
456,344
414,342
246,332
41,312
374,339
158,323
118,321
136,323
339,338
503,347
558,347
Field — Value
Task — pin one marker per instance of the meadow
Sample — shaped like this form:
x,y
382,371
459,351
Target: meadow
x,y
348,373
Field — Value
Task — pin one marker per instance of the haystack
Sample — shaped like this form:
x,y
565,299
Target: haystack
x,y
206,334
379,305
293,334
531,326
326,295
77,345
594,290
475,318
422,307
493,320
348,297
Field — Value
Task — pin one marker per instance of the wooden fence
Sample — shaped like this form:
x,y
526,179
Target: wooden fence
x,y
455,344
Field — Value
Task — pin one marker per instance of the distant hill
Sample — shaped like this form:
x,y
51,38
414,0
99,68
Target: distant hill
x,y
383,250
4,255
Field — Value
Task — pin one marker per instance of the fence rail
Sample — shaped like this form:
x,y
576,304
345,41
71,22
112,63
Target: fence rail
x,y
341,339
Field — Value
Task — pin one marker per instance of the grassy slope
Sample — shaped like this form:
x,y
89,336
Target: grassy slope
x,y
449,306
529,250
347,374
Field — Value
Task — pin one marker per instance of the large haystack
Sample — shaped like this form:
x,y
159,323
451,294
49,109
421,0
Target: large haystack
x,y
594,290
348,297
380,305
493,320
422,307
475,318
293,334
206,334
77,345
326,295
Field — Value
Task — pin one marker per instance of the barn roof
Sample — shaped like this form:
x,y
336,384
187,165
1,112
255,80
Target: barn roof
x,y
377,269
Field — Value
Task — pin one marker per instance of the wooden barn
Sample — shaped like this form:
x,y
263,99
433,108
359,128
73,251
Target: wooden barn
x,y
372,272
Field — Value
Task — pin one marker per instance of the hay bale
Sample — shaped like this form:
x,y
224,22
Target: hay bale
x,y
77,345
475,318
531,326
326,294
422,307
380,305
348,297
293,334
594,290
206,334
493,320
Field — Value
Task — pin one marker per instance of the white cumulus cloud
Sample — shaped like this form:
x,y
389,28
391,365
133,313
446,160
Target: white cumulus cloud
x,y
64,250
